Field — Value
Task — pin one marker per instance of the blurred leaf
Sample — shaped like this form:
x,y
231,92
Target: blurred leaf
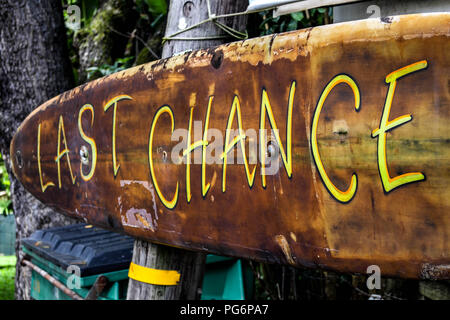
x,y
320,19
292,25
5,192
106,69
267,25
157,7
157,20
282,26
89,8
5,206
297,16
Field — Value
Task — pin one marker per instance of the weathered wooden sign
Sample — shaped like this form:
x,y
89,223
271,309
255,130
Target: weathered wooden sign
x,y
326,147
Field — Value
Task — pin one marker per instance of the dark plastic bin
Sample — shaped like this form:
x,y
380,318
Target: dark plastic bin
x,y
95,251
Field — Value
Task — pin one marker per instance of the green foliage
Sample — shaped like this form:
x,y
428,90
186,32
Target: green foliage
x,y
7,261
293,21
106,69
137,35
5,192
152,11
155,7
7,283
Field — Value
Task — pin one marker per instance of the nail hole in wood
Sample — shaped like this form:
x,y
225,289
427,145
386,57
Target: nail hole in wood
x,y
84,155
217,59
187,8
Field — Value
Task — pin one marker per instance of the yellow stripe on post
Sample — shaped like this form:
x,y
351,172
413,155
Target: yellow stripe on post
x,y
153,276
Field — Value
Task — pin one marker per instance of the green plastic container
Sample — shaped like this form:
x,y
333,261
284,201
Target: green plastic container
x,y
42,289
226,279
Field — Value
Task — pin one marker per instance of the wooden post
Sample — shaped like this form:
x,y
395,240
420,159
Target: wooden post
x,y
189,264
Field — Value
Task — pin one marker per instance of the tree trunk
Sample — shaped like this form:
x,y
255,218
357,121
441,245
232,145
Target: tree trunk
x,y
105,38
34,67
189,264
188,13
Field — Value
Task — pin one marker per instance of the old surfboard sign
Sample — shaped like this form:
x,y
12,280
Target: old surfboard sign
x,y
326,147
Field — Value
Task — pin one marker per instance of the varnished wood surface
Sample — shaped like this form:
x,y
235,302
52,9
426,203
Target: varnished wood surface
x,y
402,228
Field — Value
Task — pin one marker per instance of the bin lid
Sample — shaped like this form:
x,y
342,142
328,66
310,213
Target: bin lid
x,y
93,250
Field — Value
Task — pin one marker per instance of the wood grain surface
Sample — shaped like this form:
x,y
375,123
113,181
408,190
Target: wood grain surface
x,y
362,168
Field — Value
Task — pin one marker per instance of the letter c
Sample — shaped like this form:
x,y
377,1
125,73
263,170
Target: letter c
x,y
342,196
172,203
